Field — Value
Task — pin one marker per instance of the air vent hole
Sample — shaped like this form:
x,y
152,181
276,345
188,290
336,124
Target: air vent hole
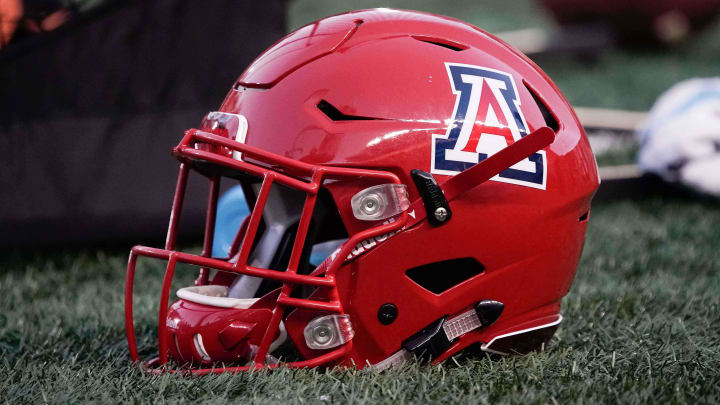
x,y
336,115
453,46
548,116
441,276
584,216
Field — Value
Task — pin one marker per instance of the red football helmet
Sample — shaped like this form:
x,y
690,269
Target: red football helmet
x,y
449,175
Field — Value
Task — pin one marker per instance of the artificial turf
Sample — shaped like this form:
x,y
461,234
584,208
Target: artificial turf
x,y
641,326
642,321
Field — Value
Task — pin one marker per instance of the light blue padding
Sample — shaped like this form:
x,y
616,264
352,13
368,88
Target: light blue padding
x,y
231,211
317,257
320,251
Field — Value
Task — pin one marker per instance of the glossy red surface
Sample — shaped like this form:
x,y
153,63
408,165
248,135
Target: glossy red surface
x,y
226,334
378,64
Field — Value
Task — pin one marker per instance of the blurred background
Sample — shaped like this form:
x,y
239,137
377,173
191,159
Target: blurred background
x,y
95,93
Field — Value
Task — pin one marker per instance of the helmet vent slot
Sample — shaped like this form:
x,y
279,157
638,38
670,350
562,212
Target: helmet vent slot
x,y
439,277
453,46
336,115
584,216
548,116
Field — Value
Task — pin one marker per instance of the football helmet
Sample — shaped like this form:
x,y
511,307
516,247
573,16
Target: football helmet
x,y
443,169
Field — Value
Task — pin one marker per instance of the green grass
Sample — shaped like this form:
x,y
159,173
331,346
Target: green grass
x,y
642,320
642,325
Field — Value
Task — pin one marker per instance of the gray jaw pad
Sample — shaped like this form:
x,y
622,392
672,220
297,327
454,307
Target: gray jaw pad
x,y
283,209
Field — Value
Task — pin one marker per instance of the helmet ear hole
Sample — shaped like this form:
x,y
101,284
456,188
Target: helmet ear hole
x,y
439,277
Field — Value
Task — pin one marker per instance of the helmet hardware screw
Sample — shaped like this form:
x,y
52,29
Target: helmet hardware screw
x,y
387,313
441,214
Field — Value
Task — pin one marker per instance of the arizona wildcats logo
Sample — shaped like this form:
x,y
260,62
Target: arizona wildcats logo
x,y
486,119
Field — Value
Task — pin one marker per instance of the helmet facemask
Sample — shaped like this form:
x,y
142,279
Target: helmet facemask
x,y
236,314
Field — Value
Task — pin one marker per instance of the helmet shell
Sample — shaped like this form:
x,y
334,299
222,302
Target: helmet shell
x,y
385,74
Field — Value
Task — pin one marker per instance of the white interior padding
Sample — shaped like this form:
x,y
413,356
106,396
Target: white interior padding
x,y
213,295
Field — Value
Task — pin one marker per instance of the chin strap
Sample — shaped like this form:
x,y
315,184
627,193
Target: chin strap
x,y
436,338
474,176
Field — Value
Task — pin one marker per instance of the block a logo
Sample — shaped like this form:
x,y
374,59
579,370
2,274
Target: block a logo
x,y
486,119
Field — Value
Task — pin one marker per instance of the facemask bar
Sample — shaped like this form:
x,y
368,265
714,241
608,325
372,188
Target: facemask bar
x,y
186,152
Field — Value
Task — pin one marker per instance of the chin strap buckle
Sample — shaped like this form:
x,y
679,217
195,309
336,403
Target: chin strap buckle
x,y
430,342
436,338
